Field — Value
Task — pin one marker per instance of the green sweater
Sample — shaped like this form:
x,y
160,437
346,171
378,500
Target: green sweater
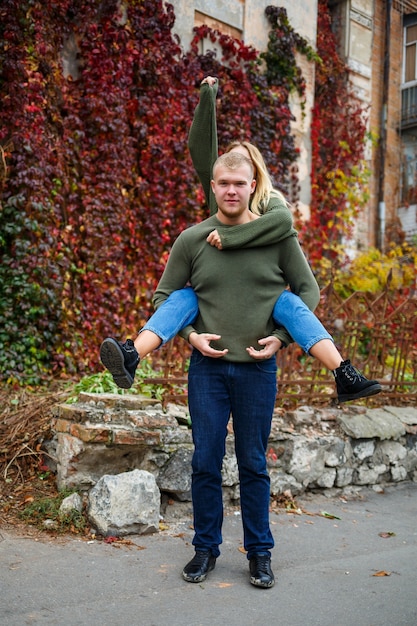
x,y
275,225
236,288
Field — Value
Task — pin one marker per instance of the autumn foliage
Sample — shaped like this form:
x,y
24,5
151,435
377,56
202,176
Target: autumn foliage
x,y
96,100
338,137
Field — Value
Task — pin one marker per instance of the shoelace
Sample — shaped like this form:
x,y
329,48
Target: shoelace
x,y
200,557
352,373
262,563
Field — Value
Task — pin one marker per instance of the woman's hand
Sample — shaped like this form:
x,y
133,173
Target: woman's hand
x,y
214,240
210,80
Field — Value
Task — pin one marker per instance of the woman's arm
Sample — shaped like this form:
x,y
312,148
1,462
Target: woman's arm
x,y
270,228
202,139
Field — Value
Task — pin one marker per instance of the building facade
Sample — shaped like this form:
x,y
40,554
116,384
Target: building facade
x,y
378,40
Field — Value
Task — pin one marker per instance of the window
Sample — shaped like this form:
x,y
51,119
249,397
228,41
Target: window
x,y
410,53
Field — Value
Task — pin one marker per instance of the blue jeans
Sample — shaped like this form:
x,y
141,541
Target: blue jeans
x,y
301,323
181,309
216,389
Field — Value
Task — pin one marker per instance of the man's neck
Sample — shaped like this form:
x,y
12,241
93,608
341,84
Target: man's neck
x,y
245,218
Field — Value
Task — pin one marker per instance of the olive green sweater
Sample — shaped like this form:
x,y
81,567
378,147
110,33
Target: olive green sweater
x,y
237,288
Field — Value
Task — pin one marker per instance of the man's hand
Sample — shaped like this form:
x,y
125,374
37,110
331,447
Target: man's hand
x,y
201,341
214,240
270,344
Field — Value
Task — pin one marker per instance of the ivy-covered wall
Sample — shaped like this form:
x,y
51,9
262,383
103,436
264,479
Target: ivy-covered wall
x,y
95,177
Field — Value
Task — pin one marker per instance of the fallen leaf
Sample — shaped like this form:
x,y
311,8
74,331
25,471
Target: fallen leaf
x,y
382,573
291,509
386,534
329,515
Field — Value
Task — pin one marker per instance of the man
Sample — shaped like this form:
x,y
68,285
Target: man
x,y
228,375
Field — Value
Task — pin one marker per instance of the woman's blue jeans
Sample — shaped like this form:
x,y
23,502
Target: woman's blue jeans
x,y
247,391
181,309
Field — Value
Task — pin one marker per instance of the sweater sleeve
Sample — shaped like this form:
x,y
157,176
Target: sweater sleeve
x,y
270,228
202,140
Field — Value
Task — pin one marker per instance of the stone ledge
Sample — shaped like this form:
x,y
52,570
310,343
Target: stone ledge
x,y
309,448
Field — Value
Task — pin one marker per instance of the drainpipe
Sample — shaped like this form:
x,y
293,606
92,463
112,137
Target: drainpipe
x,y
383,131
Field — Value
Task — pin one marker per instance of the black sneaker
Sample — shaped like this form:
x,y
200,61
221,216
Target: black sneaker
x,y
200,565
352,385
261,574
121,359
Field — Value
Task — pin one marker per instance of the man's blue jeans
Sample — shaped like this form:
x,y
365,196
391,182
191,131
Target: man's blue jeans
x,y
181,309
247,391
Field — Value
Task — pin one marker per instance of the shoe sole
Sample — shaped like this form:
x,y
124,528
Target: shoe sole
x,y
258,583
197,579
112,358
365,393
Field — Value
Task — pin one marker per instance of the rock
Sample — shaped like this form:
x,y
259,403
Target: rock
x,y
175,476
376,423
363,449
336,453
281,482
328,478
344,476
307,461
128,503
50,524
71,503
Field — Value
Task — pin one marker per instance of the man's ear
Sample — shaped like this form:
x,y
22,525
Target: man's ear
x,y
253,185
212,184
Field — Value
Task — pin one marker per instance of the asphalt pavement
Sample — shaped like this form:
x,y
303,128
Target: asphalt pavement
x,y
337,562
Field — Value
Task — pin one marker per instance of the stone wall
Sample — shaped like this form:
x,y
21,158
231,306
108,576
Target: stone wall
x,y
309,448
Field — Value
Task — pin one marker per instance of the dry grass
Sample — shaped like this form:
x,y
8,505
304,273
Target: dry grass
x,y
25,423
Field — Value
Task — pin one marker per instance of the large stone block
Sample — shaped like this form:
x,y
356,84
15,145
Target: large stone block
x,y
128,503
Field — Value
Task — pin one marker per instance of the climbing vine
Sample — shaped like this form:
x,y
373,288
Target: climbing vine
x,y
96,180
96,101
339,174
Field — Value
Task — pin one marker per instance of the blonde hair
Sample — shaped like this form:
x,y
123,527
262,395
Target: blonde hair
x,y
233,160
264,189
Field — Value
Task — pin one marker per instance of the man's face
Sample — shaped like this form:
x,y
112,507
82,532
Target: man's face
x,y
232,189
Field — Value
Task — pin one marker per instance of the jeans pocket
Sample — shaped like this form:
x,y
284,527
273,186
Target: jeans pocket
x,y
196,357
267,367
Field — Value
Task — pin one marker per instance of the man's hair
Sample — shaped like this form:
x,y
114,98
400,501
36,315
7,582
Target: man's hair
x,y
264,189
233,160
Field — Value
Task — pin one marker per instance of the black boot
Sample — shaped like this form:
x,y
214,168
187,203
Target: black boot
x,y
121,359
352,385
200,565
261,574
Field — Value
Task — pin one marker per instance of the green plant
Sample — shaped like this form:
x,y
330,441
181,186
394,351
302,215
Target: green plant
x,y
103,382
47,508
